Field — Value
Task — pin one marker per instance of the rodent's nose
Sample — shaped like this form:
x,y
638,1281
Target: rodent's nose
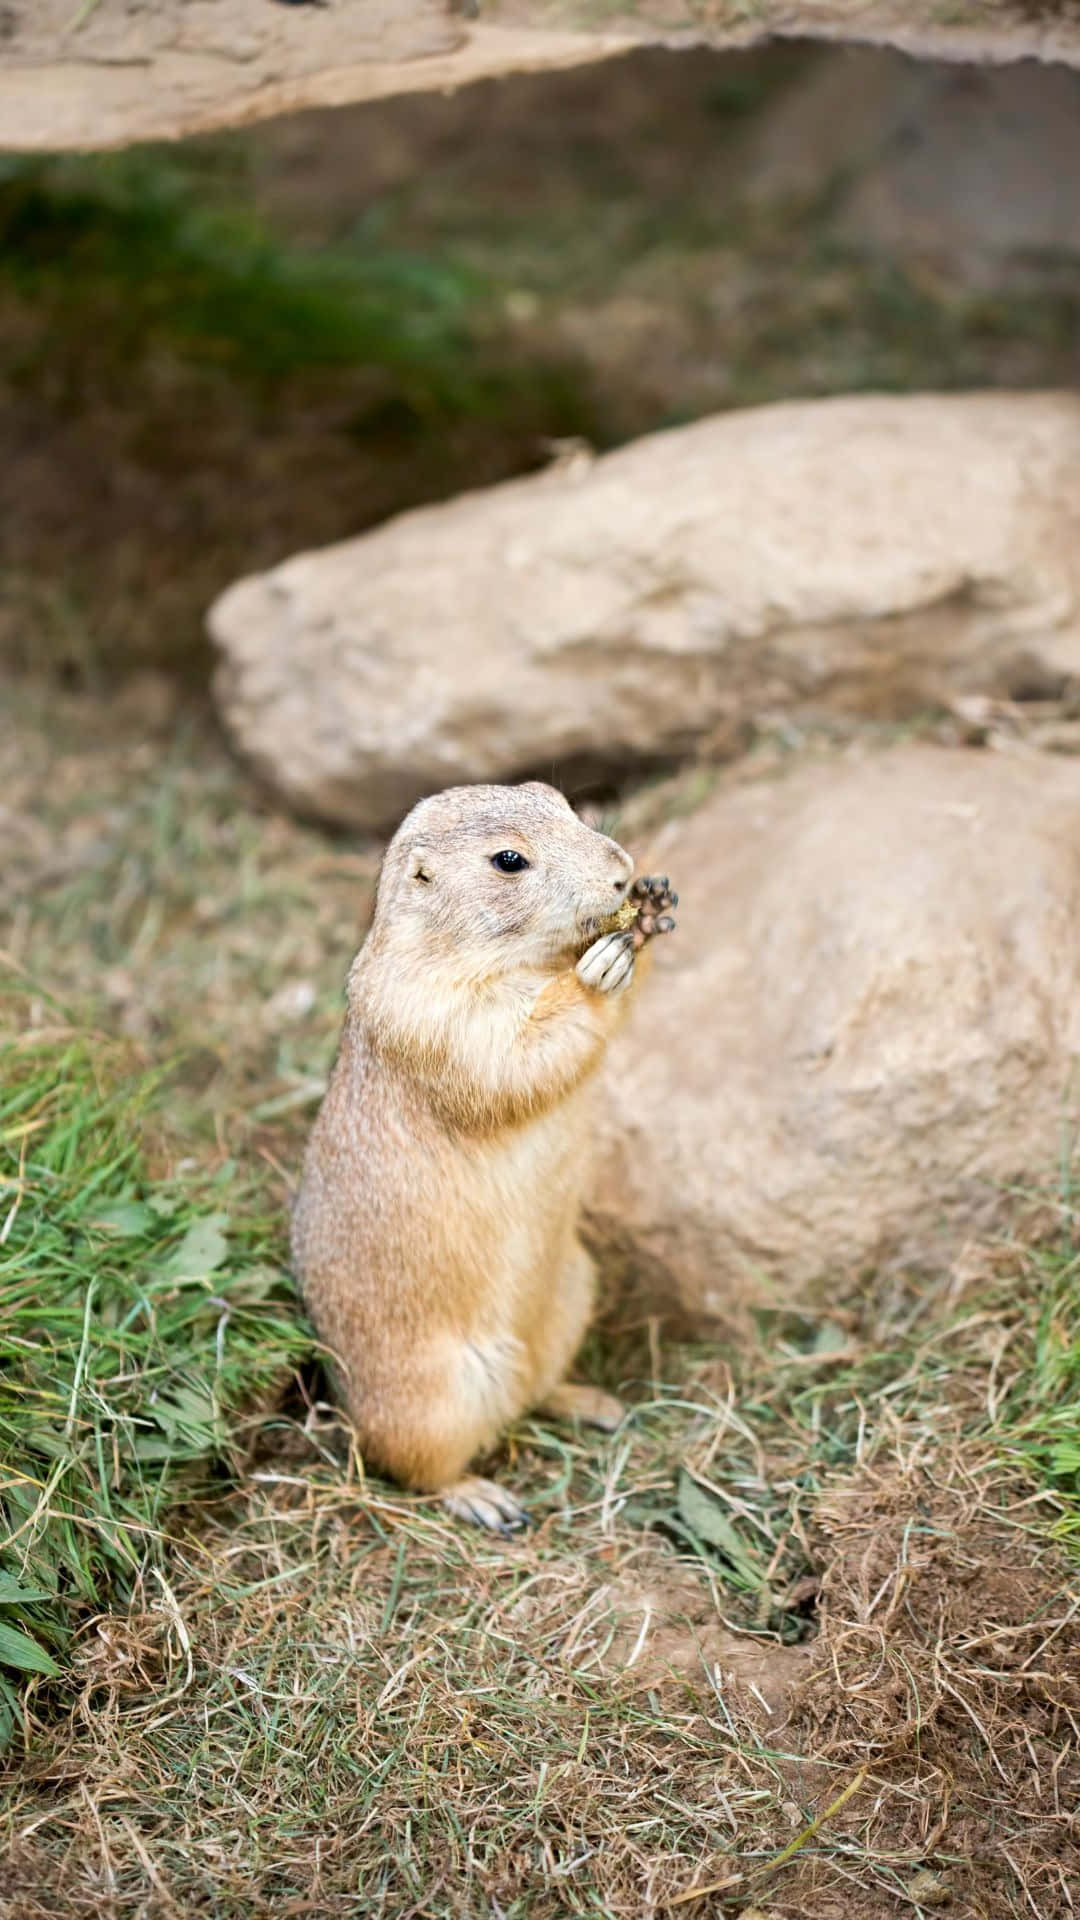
x,y
620,885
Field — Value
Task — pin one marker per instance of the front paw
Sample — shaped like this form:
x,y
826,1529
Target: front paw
x,y
652,895
608,965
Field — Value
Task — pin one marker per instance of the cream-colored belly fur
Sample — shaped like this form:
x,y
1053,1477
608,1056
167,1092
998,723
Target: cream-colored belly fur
x,y
445,1272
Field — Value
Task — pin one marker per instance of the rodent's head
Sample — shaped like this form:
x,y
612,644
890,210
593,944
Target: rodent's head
x,y
503,876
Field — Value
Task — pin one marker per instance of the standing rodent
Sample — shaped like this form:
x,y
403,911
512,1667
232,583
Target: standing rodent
x,y
435,1231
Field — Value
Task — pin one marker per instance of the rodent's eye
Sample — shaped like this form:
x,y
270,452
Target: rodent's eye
x,y
509,862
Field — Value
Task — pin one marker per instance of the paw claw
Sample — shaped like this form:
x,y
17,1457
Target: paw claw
x,y
654,897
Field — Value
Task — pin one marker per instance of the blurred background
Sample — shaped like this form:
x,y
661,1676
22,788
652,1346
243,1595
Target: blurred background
x,y
219,352
215,353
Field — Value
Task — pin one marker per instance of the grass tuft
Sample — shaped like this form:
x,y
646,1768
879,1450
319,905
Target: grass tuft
x,y
142,1308
1039,1418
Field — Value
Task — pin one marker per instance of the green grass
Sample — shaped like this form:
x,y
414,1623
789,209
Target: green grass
x,y
140,1313
130,243
1039,1420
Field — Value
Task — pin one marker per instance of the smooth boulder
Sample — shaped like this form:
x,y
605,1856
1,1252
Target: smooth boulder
x,y
869,556
865,1026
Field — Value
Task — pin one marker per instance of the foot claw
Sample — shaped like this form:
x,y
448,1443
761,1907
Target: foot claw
x,y
485,1504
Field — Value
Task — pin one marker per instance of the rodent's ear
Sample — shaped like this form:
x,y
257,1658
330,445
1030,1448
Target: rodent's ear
x,y
420,866
549,792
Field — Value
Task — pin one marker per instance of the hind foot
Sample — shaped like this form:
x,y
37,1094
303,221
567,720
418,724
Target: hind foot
x,y
589,1405
485,1504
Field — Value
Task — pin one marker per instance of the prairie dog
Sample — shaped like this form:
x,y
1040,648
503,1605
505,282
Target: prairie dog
x,y
435,1230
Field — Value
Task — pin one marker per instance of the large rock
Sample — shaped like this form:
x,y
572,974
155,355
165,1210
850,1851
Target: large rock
x,y
110,72
868,1018
871,554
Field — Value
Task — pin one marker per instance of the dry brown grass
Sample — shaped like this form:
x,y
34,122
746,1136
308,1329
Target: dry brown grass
x,y
840,1679
341,1704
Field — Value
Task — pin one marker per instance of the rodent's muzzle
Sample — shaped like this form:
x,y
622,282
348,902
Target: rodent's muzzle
x,y
610,914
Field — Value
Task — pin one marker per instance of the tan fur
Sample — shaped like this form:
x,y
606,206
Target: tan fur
x,y
435,1229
